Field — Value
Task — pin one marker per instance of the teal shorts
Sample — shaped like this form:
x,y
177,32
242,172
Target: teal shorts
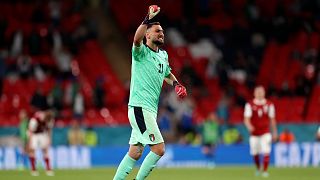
x,y
144,125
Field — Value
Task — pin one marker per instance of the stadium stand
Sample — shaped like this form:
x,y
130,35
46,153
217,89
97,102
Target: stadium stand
x,y
220,55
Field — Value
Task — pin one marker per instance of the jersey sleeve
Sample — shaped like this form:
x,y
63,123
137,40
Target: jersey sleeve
x,y
138,51
33,125
168,68
168,71
272,111
247,111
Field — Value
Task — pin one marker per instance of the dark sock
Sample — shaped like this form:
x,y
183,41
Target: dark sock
x,y
47,161
256,159
266,160
33,163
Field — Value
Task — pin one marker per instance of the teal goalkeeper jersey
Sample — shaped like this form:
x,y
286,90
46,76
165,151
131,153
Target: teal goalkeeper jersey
x,y
148,70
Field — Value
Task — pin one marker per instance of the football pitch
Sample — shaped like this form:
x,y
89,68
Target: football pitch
x,y
219,173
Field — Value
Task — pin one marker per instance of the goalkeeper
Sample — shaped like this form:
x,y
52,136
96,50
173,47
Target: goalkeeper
x,y
150,67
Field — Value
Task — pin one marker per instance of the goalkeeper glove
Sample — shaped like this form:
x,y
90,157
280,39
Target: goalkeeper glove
x,y
180,90
152,12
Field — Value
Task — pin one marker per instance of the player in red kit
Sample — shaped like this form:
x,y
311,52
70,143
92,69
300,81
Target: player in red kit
x,y
39,131
259,115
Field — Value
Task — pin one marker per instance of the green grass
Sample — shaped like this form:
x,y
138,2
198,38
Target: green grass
x,y
220,173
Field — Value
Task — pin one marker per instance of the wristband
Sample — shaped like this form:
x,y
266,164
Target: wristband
x,y
175,83
146,20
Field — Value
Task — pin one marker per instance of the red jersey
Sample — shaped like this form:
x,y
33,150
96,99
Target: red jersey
x,y
260,113
38,124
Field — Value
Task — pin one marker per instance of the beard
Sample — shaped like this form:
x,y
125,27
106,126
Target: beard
x,y
158,42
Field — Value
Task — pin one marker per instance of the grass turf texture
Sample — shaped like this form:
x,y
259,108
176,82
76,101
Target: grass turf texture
x,y
219,173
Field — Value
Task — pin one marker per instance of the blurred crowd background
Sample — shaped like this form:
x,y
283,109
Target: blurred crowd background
x,y
75,57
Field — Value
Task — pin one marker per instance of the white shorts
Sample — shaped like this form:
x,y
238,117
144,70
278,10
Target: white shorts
x,y
40,140
144,125
260,144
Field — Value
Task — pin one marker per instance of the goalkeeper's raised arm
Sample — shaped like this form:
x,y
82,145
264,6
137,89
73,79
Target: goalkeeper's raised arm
x,y
142,29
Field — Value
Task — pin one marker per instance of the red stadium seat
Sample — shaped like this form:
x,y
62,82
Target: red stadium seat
x,y
236,115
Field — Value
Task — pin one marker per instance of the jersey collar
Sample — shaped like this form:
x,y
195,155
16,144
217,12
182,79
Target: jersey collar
x,y
152,49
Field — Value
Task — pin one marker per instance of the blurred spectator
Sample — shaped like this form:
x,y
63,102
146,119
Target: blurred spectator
x,y
302,88
183,111
17,44
56,96
210,130
231,135
175,38
34,43
99,94
178,106
223,109
78,106
76,135
57,41
189,76
286,136
91,137
39,100
205,49
24,66
210,137
185,125
71,91
318,134
39,73
309,76
164,120
55,12
191,138
239,67
63,59
80,35
222,71
165,124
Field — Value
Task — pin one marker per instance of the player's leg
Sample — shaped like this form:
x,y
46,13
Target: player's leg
x,y
135,150
33,145
45,145
211,156
254,151
33,162
157,151
266,141
153,137
208,151
45,152
128,162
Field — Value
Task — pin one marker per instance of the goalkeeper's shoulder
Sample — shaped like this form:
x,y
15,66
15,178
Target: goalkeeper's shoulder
x,y
138,46
164,52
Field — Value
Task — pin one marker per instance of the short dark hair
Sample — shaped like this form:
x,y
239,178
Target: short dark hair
x,y
151,24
